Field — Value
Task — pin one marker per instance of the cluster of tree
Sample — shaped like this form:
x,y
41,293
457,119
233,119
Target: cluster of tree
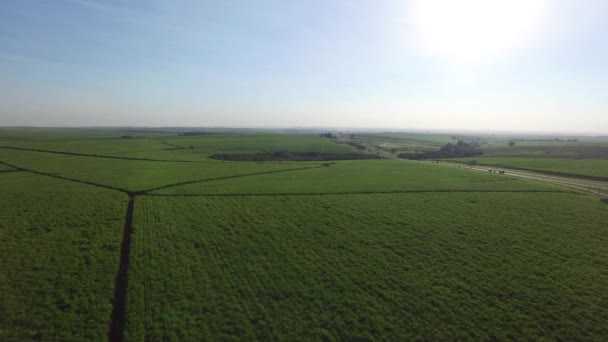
x,y
472,139
357,145
328,135
293,156
195,133
459,150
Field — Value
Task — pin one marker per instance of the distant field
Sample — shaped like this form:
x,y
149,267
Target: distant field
x,y
262,142
573,151
59,251
391,267
583,167
404,142
133,174
361,176
288,250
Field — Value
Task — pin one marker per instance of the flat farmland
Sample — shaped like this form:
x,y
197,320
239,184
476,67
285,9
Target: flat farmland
x,y
59,251
134,175
390,267
147,238
363,176
261,142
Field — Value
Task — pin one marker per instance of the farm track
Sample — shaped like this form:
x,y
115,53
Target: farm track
x,y
145,192
103,156
356,193
18,168
174,147
119,302
115,156
5,171
117,322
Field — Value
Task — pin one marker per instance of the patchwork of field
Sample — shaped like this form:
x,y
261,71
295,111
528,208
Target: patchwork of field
x,y
135,175
146,238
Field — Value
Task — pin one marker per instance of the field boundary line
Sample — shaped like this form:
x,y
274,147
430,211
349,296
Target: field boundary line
x,y
77,154
117,156
18,168
145,192
358,193
6,171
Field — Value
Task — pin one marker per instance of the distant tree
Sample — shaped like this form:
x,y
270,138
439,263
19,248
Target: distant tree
x,y
472,163
511,143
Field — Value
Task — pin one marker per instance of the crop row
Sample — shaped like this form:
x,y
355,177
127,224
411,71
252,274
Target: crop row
x,y
59,244
402,266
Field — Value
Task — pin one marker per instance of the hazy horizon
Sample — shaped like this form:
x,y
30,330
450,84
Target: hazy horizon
x,y
536,66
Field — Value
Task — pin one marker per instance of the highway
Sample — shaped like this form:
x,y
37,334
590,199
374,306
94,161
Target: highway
x,y
597,188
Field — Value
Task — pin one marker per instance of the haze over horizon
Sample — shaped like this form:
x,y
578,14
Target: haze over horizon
x,y
536,65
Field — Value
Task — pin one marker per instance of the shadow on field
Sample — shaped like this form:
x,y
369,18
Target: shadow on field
x,y
119,303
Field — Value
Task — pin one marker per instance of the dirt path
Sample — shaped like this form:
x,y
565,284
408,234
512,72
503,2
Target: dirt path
x,y
119,303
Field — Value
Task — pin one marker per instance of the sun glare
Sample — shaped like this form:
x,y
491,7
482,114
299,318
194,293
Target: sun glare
x,y
475,31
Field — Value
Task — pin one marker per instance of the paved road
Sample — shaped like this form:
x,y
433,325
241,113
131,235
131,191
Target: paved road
x,y
598,188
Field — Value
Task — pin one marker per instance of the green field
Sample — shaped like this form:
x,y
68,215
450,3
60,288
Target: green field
x,y
59,244
404,142
362,176
146,238
577,156
391,267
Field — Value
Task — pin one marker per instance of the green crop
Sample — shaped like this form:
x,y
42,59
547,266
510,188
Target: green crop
x,y
483,266
59,250
106,234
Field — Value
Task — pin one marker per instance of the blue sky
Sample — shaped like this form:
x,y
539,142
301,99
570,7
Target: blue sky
x,y
363,64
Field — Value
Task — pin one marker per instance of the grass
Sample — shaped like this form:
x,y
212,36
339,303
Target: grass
x,y
389,267
59,244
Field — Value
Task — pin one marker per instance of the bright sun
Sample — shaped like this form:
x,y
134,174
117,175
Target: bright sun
x,y
475,31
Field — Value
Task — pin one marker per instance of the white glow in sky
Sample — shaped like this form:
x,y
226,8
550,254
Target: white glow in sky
x,y
476,30
538,65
